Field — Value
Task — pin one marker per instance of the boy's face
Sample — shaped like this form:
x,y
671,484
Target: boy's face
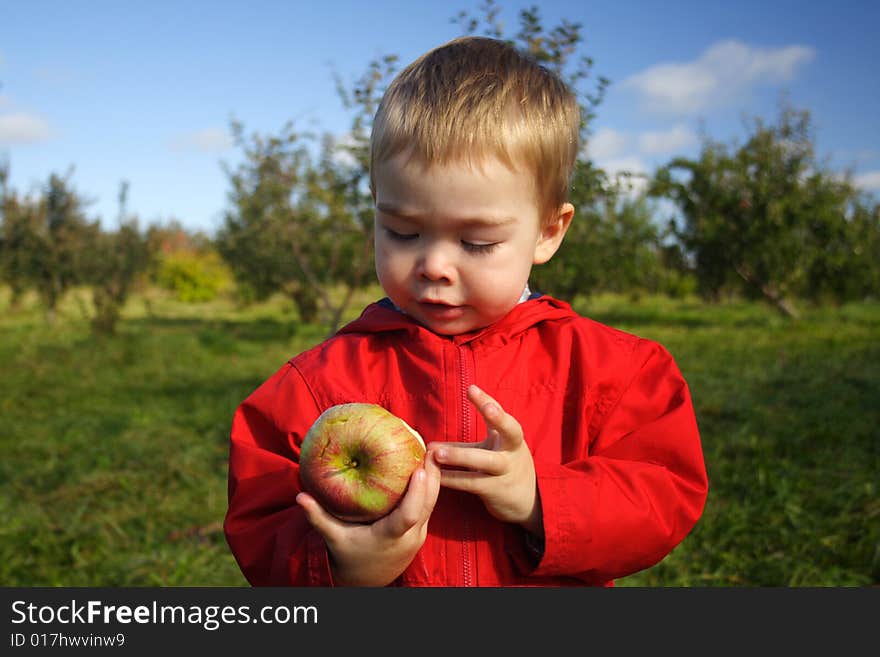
x,y
455,244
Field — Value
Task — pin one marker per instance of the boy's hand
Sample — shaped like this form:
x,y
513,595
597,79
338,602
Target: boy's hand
x,y
375,554
499,469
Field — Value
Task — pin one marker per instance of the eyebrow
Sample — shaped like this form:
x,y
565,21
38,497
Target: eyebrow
x,y
402,213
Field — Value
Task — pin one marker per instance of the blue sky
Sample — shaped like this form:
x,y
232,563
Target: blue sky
x,y
144,92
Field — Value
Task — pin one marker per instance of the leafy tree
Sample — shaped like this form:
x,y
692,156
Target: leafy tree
x,y
339,201
44,240
613,244
66,235
19,219
754,216
115,259
295,225
844,245
253,239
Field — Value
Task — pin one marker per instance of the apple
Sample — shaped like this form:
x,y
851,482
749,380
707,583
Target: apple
x,y
356,460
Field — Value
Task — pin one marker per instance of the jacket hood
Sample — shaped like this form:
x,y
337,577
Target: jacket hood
x,y
382,316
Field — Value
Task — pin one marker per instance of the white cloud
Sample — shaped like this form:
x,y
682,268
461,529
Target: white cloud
x,y
209,140
630,170
666,142
629,163
21,128
870,180
606,143
725,70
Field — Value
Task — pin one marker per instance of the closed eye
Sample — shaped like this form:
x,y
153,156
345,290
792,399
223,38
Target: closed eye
x,y
479,249
400,237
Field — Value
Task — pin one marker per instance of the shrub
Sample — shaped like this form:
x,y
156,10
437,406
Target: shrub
x,y
193,276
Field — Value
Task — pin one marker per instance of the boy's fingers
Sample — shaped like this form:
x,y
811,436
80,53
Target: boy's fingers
x,y
461,455
321,520
508,428
432,471
464,480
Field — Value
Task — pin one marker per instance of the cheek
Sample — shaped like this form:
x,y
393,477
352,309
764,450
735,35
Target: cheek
x,y
498,282
390,264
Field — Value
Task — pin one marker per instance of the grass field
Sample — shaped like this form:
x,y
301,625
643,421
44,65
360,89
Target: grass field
x,y
114,450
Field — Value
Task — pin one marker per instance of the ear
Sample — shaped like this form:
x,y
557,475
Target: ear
x,y
552,233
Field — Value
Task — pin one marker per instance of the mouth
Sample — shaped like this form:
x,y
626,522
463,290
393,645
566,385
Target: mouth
x,y
440,310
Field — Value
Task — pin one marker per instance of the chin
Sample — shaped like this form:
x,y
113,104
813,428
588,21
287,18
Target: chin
x,y
453,328
443,328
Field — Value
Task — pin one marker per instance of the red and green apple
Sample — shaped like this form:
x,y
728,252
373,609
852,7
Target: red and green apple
x,y
356,460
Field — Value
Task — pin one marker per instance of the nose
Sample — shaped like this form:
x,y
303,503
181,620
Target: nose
x,y
435,263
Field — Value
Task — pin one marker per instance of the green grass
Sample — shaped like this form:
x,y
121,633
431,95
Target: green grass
x,y
114,450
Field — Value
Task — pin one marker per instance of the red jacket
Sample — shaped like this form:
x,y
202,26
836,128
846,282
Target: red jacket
x,y
607,416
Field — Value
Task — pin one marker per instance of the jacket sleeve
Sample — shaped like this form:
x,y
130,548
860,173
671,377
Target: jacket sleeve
x,y
268,533
641,489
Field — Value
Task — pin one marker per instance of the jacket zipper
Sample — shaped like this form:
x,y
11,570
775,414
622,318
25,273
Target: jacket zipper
x,y
466,372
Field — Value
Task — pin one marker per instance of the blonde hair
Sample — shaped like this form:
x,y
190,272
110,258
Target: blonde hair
x,y
477,97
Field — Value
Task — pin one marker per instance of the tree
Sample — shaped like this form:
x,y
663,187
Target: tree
x,y
19,219
612,246
753,215
844,247
44,241
296,225
254,239
114,260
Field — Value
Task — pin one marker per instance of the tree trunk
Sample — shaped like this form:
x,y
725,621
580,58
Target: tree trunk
x,y
770,293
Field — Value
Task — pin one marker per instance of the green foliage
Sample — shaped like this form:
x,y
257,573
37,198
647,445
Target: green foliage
x,y
844,266
194,276
113,262
186,263
45,240
117,259
764,218
612,245
294,224
48,245
19,242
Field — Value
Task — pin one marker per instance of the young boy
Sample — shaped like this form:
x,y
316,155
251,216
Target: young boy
x,y
560,451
